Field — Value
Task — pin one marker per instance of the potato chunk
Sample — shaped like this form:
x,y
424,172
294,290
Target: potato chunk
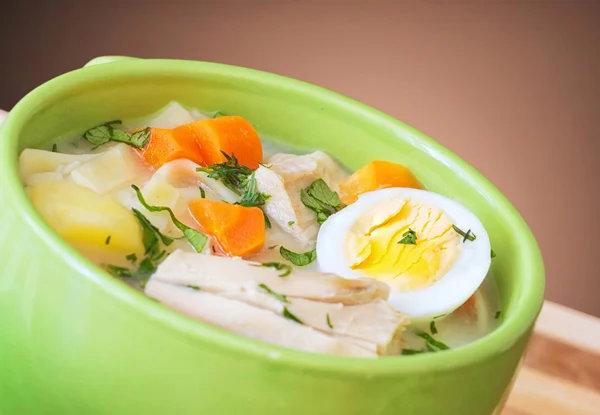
x,y
86,219
108,171
34,161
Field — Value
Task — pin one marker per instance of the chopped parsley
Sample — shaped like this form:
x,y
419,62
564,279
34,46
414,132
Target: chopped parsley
x,y
407,352
141,275
431,342
409,238
432,327
287,314
287,269
277,296
299,260
218,114
54,148
230,173
153,252
239,179
196,238
319,198
131,258
104,133
329,321
194,287
119,271
497,315
144,271
202,193
492,253
107,240
467,236
290,223
252,197
267,221
151,236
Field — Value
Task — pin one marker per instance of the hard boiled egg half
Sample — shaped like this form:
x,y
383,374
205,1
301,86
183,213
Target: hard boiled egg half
x,y
433,252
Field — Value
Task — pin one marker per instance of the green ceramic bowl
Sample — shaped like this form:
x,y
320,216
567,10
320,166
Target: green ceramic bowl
x,y
73,340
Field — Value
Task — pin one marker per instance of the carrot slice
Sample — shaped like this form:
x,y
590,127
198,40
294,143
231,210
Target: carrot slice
x,y
377,175
230,134
165,145
239,230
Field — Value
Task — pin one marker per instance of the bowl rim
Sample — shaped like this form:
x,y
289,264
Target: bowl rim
x,y
514,326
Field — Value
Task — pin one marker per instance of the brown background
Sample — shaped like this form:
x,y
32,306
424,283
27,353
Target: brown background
x,y
511,86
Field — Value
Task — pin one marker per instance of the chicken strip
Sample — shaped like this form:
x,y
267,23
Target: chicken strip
x,y
284,179
375,323
219,274
250,321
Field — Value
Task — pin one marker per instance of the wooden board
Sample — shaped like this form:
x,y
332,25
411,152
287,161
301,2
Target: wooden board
x,y
561,372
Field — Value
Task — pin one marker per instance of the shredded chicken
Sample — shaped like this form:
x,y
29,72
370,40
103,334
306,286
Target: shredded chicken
x,y
219,274
330,314
284,179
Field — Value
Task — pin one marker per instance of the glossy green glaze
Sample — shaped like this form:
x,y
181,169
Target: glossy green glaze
x,y
75,341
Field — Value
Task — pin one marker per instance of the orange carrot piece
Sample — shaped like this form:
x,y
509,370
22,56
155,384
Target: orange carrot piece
x,y
376,175
165,145
230,134
239,230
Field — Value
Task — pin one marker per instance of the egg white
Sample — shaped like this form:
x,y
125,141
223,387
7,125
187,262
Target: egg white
x,y
441,297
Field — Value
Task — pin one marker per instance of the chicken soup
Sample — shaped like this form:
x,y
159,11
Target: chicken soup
x,y
199,213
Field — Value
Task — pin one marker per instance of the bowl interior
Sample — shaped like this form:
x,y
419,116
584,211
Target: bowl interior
x,y
296,114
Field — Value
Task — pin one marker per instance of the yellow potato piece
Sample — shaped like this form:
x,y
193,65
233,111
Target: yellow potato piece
x,y
86,219
33,161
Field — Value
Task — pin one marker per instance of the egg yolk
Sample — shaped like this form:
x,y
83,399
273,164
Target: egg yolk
x,y
372,244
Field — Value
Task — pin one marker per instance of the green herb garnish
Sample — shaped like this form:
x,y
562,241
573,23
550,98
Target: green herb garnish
x,y
194,287
107,240
267,221
433,342
287,314
131,258
407,352
329,321
497,315
145,271
151,236
409,238
319,198
118,271
252,197
290,223
196,238
432,327
287,269
230,172
202,193
239,179
54,148
299,260
466,235
492,254
277,296
104,133
218,114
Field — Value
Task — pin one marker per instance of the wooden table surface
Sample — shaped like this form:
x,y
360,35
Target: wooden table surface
x,y
561,372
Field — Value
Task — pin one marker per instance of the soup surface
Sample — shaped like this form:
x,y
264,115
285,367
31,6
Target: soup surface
x,y
201,214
